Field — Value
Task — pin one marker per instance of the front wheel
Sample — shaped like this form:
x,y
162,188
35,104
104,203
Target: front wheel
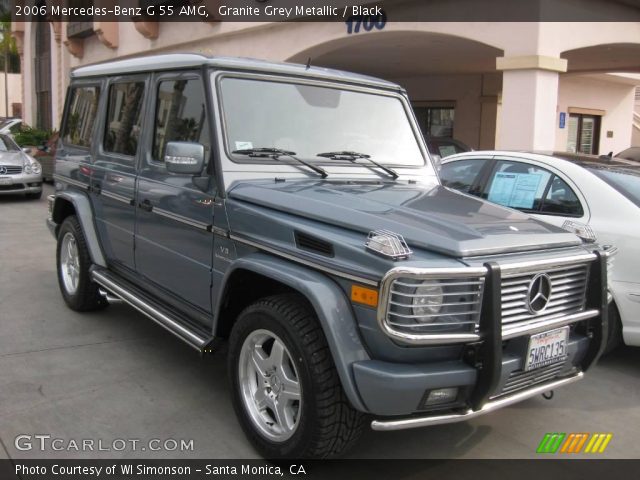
x,y
287,394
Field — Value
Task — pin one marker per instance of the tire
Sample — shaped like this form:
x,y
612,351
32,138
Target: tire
x,y
34,196
85,296
325,424
615,329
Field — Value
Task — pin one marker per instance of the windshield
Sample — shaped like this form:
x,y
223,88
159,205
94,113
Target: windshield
x,y
627,182
309,120
7,145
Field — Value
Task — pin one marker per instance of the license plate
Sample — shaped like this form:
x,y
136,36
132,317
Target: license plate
x,y
6,181
547,348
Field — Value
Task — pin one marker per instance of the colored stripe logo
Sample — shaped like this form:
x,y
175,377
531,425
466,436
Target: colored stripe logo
x,y
574,443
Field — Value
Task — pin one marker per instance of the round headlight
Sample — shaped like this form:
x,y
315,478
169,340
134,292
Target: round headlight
x,y
27,168
36,168
430,300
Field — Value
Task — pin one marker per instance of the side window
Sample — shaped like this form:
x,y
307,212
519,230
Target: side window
x,y
461,174
81,115
517,185
180,115
561,200
124,116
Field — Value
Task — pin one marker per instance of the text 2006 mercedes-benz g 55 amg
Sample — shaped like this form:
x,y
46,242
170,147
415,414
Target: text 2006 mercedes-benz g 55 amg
x,y
294,213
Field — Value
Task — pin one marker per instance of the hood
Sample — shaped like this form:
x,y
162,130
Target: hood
x,y
12,158
434,218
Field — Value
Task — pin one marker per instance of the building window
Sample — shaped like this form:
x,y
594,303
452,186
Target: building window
x,y
81,115
436,121
180,115
123,118
583,134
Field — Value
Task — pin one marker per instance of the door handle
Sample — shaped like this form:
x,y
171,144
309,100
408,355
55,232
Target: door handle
x,y
145,205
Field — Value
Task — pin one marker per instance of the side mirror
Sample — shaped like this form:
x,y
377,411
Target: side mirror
x,y
185,158
27,150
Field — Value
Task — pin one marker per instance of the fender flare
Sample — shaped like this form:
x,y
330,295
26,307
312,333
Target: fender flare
x,y
84,212
331,306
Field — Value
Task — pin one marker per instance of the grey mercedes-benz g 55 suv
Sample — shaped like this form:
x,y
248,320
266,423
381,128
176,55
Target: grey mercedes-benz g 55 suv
x,y
294,213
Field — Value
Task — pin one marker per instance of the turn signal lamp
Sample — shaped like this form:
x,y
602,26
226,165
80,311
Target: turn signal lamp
x,y
364,295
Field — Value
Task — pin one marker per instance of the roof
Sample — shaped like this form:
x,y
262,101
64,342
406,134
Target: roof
x,y
552,157
154,63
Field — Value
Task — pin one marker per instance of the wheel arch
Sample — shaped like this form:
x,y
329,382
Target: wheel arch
x,y
76,203
327,299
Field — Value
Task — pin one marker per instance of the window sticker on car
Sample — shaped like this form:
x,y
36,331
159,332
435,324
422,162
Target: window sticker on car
x,y
516,190
244,145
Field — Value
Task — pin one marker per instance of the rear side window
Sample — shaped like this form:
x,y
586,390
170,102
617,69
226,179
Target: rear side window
x,y
561,200
81,115
124,117
461,174
180,115
518,185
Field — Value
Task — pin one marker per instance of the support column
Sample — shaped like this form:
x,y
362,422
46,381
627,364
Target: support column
x,y
529,102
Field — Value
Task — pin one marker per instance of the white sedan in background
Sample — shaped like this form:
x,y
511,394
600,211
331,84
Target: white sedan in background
x,y
596,199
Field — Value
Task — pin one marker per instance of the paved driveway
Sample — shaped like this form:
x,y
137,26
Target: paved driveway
x,y
116,376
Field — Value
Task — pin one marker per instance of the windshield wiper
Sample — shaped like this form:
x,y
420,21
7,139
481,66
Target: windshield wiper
x,y
354,156
276,153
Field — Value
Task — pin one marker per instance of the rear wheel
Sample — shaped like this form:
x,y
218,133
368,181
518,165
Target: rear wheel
x,y
287,394
80,293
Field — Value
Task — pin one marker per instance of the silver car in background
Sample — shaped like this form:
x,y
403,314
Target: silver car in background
x,y
19,172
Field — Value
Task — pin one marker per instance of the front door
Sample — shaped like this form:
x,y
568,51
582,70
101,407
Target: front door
x,y
174,242
114,170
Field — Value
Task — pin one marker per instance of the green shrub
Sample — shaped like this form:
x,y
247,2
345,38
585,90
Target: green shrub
x,y
29,136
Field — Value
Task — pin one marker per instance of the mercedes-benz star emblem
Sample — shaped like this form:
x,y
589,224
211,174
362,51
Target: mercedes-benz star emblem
x,y
539,293
3,169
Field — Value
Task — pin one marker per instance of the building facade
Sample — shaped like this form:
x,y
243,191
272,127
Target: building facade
x,y
513,85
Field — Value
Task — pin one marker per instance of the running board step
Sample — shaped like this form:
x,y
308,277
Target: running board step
x,y
129,293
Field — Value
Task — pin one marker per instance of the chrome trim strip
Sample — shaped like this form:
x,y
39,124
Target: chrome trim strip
x,y
389,425
525,267
423,273
150,311
180,218
77,183
116,196
220,231
541,326
308,263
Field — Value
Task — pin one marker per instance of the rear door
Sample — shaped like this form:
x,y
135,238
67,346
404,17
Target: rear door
x,y
535,189
174,243
76,146
114,170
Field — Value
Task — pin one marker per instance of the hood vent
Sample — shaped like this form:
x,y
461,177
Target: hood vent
x,y
307,242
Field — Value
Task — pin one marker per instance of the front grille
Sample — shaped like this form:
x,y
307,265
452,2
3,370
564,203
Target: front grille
x,y
521,380
435,305
568,292
11,169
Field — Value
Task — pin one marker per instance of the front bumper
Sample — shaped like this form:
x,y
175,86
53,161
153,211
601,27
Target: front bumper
x,y
489,374
416,422
21,184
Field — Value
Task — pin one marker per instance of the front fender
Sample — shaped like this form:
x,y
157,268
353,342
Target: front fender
x,y
84,212
330,304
